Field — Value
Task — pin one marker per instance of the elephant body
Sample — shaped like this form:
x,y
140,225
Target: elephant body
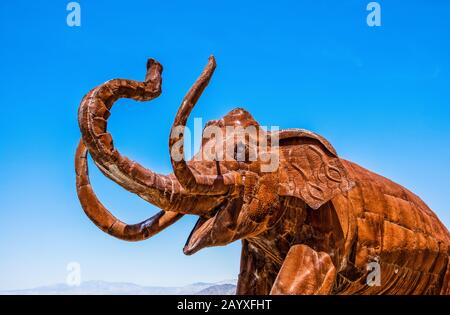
x,y
375,221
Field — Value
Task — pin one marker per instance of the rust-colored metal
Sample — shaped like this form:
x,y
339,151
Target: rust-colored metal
x,y
316,224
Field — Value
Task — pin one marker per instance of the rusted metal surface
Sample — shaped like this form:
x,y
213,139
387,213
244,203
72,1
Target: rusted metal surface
x,y
312,226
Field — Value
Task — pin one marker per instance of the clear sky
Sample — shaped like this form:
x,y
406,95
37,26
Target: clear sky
x,y
380,95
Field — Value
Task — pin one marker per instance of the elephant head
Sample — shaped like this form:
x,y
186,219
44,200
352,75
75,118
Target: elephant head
x,y
228,183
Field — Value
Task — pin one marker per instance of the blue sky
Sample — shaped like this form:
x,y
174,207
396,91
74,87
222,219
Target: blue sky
x,y
380,95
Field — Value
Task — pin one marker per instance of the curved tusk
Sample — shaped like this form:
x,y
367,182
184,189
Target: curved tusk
x,y
103,219
195,183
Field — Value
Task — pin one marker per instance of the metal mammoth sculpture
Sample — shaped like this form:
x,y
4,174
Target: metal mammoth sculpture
x,y
314,225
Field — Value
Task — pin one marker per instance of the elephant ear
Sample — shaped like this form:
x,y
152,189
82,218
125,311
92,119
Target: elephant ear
x,y
310,168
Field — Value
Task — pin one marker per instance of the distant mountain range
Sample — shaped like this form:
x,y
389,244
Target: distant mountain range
x,y
219,289
227,287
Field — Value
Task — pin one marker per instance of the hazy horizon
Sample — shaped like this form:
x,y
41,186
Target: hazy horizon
x,y
149,285
107,287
